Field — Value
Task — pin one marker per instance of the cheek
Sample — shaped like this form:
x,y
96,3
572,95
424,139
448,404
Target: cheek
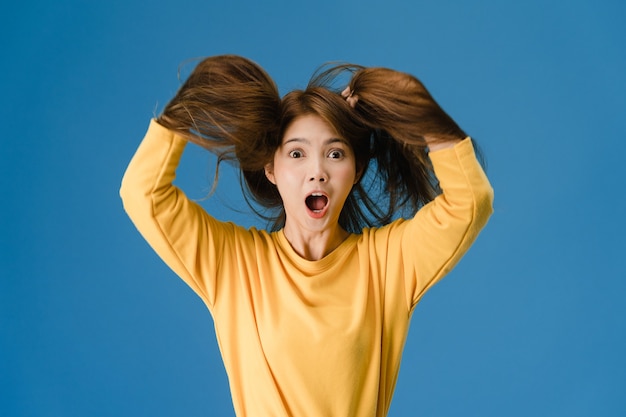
x,y
347,176
285,177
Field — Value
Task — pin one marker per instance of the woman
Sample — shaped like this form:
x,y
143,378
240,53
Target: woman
x,y
312,317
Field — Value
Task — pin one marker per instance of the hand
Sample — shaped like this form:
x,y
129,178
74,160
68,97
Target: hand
x,y
350,97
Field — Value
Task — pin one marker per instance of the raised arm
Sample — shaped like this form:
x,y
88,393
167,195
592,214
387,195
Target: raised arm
x,y
229,106
183,235
425,140
443,230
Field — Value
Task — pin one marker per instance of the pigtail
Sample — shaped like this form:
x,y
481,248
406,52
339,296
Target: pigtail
x,y
230,106
401,113
400,104
398,112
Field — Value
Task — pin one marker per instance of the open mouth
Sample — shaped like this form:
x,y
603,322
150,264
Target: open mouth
x,y
316,202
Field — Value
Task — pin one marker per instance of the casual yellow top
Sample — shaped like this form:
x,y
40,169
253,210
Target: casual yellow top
x,y
307,338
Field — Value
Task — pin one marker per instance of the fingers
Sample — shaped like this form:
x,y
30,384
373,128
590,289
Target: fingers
x,y
352,100
350,97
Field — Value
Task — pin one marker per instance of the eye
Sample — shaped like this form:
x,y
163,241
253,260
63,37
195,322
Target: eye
x,y
295,154
336,154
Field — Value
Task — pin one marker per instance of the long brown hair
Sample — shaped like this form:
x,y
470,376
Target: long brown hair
x,y
230,106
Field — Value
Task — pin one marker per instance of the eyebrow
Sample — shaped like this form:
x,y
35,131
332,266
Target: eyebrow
x,y
308,142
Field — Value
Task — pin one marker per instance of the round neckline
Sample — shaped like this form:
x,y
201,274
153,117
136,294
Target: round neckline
x,y
314,266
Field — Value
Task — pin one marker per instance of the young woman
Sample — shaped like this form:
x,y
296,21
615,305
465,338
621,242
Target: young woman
x,y
374,194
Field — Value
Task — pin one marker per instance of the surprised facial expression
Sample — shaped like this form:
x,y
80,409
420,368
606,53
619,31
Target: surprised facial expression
x,y
314,170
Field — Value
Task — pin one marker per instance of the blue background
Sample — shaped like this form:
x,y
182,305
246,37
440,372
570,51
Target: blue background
x,y
531,323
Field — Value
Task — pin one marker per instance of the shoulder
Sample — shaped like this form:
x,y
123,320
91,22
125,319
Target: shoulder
x,y
376,235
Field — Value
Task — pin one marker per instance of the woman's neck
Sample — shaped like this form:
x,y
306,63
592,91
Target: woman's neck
x,y
314,245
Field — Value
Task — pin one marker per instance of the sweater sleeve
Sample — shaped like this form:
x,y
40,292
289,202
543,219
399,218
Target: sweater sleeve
x,y
179,230
443,230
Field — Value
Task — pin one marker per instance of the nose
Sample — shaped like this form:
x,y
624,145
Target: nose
x,y
318,172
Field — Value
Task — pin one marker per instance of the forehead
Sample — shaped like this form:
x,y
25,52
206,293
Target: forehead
x,y
309,127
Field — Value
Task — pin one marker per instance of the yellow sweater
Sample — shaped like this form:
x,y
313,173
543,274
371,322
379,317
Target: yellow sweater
x,y
307,338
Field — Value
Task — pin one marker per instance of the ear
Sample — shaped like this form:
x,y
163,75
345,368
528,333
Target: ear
x,y
357,177
269,172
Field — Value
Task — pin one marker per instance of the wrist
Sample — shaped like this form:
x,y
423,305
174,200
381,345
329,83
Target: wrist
x,y
434,146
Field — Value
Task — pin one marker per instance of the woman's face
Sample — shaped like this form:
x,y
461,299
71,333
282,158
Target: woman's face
x,y
314,170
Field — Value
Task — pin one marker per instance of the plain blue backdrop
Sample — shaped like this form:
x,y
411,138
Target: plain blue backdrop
x,y
531,323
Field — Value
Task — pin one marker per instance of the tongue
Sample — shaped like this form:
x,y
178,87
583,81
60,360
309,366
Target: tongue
x,y
316,202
